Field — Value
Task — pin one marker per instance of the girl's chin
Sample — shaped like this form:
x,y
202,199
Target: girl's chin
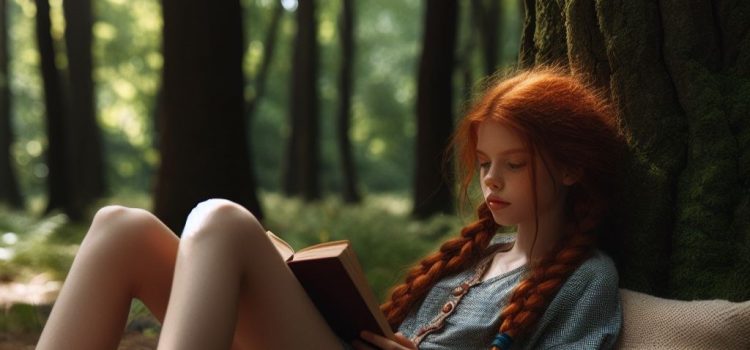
x,y
502,221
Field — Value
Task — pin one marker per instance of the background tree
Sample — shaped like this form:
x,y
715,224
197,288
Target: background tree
x,y
59,194
203,139
349,175
83,134
269,46
303,150
432,185
487,21
679,75
9,193
258,87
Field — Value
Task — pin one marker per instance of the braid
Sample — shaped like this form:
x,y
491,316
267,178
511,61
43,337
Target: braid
x,y
532,295
453,255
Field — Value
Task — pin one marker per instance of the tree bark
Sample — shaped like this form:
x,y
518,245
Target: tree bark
x,y
9,192
83,133
349,175
432,183
301,171
678,75
527,51
59,195
203,139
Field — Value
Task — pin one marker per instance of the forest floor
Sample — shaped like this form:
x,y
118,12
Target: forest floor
x,y
27,341
26,306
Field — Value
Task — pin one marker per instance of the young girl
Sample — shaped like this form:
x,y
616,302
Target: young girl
x,y
545,148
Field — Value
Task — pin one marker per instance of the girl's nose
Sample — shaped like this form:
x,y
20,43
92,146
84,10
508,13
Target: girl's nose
x,y
493,181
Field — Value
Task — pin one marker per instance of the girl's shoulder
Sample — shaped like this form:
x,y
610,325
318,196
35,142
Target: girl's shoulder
x,y
598,266
596,278
598,263
597,271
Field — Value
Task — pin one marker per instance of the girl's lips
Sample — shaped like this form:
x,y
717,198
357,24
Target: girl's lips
x,y
495,203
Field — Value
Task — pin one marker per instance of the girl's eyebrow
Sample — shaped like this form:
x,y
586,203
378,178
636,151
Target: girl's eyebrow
x,y
506,152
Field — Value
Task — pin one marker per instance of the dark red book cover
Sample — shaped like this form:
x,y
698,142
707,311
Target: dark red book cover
x,y
335,294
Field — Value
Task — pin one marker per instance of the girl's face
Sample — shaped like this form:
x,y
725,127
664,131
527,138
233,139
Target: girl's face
x,y
505,177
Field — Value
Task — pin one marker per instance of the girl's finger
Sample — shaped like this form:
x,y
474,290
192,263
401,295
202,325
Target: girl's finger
x,y
403,340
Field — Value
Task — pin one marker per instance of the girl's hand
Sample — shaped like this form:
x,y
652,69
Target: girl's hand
x,y
401,343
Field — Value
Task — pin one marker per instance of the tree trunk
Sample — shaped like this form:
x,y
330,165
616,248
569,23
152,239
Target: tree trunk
x,y
269,46
349,175
679,76
203,139
83,134
488,22
301,171
432,183
9,193
59,194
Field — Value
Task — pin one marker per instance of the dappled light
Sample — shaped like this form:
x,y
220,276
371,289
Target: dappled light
x,y
359,121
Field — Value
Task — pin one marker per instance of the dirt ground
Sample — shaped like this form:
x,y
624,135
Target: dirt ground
x,y
38,294
130,341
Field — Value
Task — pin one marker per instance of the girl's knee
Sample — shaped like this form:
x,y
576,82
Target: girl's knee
x,y
221,219
117,224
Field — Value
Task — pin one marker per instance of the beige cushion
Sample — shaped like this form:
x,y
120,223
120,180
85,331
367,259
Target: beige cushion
x,y
655,323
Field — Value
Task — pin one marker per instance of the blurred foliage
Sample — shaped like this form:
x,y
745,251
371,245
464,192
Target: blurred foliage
x,y
30,245
386,239
128,61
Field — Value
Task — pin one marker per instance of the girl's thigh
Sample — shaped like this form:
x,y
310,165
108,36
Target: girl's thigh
x,y
228,273
278,306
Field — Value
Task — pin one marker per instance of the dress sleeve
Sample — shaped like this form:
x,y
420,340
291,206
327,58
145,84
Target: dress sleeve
x,y
586,312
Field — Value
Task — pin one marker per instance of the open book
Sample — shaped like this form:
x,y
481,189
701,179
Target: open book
x,y
335,282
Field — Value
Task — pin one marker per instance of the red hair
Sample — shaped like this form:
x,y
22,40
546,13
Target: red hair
x,y
571,126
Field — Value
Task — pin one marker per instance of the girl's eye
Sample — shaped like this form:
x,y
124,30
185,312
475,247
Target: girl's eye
x,y
516,166
484,165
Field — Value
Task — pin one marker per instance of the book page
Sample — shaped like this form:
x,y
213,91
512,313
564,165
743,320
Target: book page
x,y
285,250
322,250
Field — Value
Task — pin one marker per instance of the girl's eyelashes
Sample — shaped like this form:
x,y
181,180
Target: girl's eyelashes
x,y
511,166
515,166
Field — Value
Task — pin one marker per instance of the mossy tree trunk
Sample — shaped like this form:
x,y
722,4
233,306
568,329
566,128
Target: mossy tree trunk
x,y
679,75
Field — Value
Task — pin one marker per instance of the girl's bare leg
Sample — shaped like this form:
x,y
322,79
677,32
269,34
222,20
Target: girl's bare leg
x,y
230,283
126,253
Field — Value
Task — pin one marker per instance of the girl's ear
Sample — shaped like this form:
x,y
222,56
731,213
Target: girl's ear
x,y
570,177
